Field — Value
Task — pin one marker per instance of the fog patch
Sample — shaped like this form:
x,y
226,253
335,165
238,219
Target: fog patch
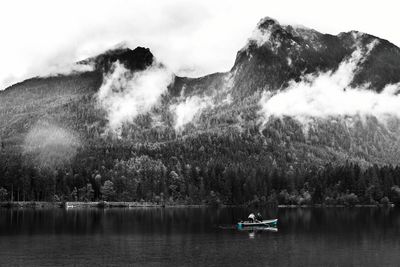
x,y
125,94
189,110
48,145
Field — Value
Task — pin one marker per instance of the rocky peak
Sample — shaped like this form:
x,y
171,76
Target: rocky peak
x,y
267,23
136,59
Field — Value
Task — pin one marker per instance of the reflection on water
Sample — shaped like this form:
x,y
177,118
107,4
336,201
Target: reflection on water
x,y
199,236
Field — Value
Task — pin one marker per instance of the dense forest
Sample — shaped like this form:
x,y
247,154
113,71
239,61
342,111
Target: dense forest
x,y
56,143
225,157
200,174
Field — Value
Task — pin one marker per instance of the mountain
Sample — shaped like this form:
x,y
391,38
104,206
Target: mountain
x,y
277,54
131,118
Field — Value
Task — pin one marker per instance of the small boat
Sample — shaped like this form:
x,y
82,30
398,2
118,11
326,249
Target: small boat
x,y
264,223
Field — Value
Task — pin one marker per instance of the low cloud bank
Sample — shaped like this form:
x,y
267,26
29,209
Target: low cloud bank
x,y
330,93
124,95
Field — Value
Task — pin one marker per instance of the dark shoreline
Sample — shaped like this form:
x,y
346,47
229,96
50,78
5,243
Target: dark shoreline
x,y
104,204
94,204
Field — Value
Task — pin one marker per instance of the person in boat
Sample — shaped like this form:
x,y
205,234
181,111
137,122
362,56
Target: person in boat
x,y
252,217
259,217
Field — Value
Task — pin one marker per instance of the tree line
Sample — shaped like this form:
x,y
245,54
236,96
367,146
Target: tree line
x,y
157,174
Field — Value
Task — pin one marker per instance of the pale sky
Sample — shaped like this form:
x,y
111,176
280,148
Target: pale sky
x,y
191,37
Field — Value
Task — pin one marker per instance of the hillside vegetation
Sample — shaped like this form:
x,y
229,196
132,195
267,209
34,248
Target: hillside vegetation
x,y
57,144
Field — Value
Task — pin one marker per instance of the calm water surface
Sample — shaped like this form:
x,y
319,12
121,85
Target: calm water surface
x,y
198,237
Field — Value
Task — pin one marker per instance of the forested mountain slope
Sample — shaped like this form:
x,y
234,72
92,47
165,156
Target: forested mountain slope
x,y
235,136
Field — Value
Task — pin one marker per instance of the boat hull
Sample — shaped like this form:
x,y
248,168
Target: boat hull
x,y
265,223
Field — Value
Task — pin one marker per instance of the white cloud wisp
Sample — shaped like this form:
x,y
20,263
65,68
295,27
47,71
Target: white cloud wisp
x,y
187,111
124,95
330,93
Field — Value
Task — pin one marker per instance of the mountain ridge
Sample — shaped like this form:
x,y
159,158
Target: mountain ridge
x,y
214,124
140,57
271,65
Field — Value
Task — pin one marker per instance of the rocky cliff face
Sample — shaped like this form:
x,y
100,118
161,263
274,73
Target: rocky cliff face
x,y
277,54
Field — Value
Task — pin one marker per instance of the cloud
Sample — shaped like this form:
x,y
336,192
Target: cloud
x,y
189,110
65,69
49,145
192,37
264,35
330,93
125,94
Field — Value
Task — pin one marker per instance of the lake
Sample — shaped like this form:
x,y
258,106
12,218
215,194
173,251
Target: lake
x,y
198,237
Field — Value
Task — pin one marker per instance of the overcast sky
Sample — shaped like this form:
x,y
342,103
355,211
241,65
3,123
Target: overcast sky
x,y
191,37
